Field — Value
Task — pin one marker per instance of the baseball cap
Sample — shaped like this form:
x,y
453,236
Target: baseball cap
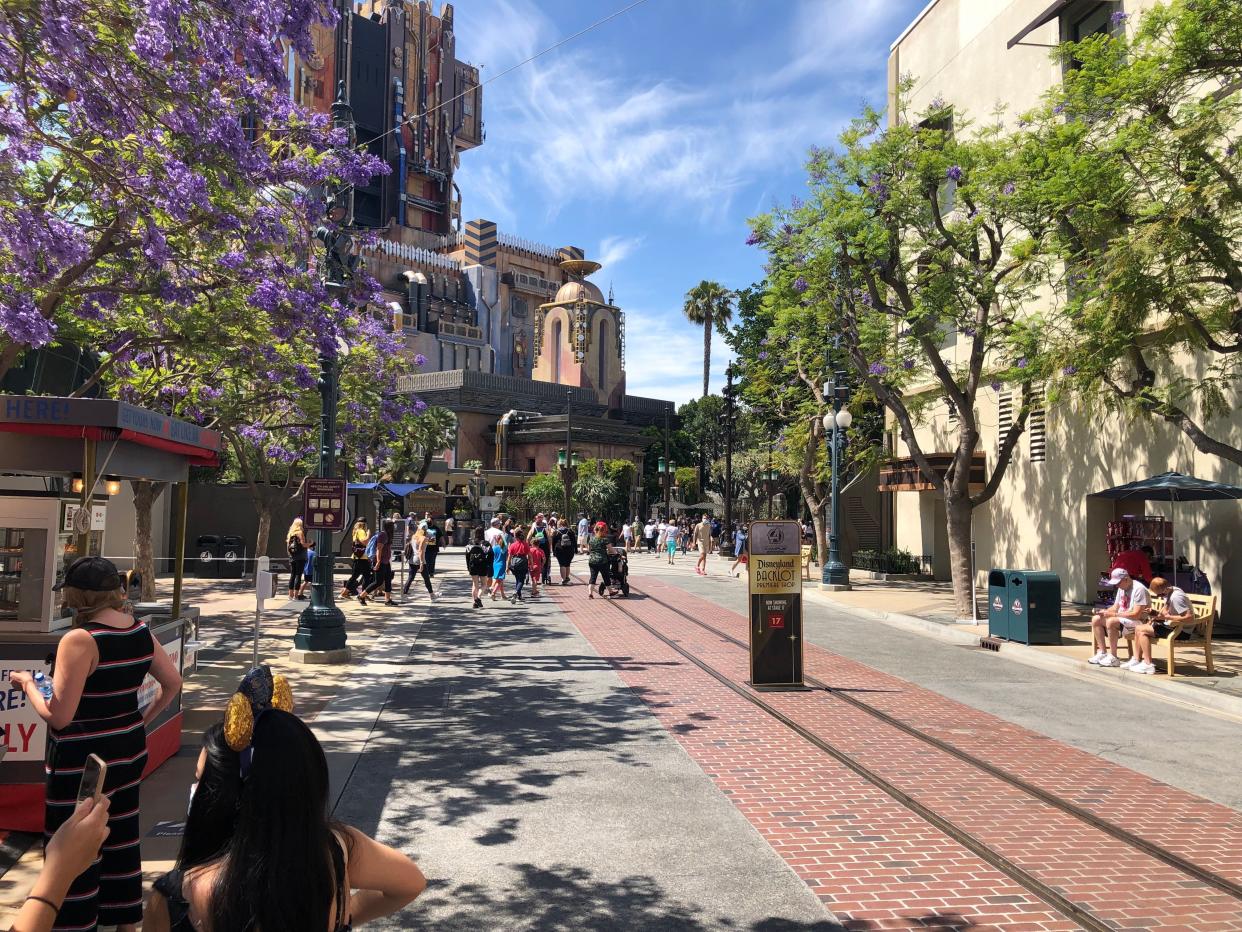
x,y
1118,575
94,574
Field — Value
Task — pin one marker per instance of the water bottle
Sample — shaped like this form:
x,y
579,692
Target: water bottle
x,y
43,683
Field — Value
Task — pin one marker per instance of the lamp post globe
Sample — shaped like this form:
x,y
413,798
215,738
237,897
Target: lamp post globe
x,y
844,418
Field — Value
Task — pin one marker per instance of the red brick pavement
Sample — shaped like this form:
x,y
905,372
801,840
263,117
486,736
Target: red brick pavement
x,y
874,862
1201,831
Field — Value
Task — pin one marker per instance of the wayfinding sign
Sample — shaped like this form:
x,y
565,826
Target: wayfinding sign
x,y
776,605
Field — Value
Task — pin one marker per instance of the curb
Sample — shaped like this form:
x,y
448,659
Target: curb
x,y
1194,697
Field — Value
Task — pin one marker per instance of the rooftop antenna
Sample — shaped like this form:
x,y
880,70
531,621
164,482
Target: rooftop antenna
x,y
611,302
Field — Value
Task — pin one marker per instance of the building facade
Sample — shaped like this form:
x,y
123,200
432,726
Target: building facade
x,y
975,54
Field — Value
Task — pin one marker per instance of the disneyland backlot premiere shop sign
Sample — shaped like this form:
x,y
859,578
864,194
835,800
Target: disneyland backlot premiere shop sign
x,y
775,585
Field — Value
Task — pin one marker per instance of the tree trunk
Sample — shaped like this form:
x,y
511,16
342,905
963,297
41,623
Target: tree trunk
x,y
263,506
821,536
145,495
707,351
958,513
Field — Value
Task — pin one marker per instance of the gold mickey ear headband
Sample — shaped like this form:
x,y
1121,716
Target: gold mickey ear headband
x,y
259,691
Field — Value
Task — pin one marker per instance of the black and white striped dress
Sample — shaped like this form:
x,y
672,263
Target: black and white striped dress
x,y
109,724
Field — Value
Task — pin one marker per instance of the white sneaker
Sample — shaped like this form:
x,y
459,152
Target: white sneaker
x,y
1132,663
1109,660
1147,668
1099,655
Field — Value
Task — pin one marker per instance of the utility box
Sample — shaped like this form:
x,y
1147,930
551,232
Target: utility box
x,y
207,546
1033,600
998,603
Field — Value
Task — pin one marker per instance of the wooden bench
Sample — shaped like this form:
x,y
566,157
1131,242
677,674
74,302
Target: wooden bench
x,y
1199,628
806,561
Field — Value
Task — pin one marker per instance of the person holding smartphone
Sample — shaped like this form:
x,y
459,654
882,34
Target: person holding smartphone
x,y
69,852
100,664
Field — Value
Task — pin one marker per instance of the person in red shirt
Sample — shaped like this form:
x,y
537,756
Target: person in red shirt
x,y
519,562
536,558
1135,562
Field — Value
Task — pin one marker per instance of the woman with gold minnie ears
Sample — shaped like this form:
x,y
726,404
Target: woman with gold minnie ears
x,y
288,867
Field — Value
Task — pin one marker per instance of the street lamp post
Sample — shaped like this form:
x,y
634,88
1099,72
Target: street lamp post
x,y
668,478
836,576
770,477
567,464
726,533
320,636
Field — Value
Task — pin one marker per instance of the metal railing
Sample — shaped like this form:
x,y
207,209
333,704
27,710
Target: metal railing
x,y
892,561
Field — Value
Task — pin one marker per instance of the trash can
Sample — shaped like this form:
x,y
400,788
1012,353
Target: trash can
x,y
232,561
998,603
1034,602
207,546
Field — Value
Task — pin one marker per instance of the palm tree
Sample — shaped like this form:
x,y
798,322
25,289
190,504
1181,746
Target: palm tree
x,y
708,304
432,432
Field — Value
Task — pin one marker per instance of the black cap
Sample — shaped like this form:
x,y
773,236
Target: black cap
x,y
94,574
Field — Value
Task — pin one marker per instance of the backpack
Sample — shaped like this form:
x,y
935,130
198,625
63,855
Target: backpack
x,y
477,560
371,545
294,546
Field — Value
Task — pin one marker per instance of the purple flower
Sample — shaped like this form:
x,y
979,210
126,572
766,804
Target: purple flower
x,y
877,368
1021,363
954,173
763,354
1060,108
303,378
907,364
800,285
877,188
1069,370
937,103
1118,18
996,385
763,342
1009,188
420,359
753,238
1230,149
969,332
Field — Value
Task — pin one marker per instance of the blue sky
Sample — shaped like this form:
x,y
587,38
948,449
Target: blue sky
x,y
649,141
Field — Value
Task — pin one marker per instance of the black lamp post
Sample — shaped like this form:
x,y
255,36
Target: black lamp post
x,y
668,478
567,463
321,625
836,575
726,533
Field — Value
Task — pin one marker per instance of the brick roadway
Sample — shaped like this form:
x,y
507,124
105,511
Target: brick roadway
x,y
875,863
1203,832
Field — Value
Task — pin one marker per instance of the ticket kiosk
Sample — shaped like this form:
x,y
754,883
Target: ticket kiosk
x,y
54,455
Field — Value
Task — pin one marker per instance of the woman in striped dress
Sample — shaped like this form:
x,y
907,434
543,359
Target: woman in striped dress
x,y
100,665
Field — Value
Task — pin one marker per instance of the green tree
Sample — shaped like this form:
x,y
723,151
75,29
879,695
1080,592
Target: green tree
x,y
1135,157
915,254
594,493
710,305
419,438
544,492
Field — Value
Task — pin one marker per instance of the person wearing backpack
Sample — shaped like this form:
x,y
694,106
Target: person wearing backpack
x,y
381,562
431,547
360,570
519,564
479,566
295,546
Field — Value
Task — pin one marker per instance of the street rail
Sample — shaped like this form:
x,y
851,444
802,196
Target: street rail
x,y
1020,875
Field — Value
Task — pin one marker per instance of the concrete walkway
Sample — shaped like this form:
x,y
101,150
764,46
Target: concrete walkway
x,y
539,792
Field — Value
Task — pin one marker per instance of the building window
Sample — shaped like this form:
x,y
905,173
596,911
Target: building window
x,y
530,464
601,354
554,348
952,412
518,307
1036,435
1088,18
1004,415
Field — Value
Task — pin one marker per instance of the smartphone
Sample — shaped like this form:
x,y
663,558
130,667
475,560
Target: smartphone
x,y
92,778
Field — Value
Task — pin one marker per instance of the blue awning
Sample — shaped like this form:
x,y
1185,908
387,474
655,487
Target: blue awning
x,y
363,486
402,489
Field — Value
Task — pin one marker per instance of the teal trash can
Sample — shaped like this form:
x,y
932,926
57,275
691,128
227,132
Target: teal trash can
x,y
1034,602
998,603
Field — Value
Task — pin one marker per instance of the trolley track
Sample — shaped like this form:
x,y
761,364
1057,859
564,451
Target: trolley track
x,y
1020,875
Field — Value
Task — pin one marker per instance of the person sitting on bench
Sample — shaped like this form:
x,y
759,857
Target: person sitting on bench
x,y
1128,609
1177,608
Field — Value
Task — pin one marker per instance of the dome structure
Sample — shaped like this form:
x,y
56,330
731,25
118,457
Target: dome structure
x,y
573,292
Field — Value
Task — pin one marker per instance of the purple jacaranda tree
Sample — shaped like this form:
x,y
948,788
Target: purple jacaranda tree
x,y
151,158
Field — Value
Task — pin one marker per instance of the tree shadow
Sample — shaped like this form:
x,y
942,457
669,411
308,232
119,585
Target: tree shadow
x,y
565,896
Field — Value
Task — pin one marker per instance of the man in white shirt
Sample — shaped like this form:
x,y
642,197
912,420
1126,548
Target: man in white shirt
x,y
703,540
493,533
583,539
1130,607
1177,610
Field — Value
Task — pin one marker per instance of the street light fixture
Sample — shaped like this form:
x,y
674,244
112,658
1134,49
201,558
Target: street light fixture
x,y
836,575
321,625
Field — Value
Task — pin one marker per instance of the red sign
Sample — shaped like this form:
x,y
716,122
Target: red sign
x,y
323,504
776,620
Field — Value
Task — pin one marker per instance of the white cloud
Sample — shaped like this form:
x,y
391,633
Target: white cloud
x,y
614,249
664,356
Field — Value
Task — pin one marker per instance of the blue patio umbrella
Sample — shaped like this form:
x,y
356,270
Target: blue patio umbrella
x,y
1173,487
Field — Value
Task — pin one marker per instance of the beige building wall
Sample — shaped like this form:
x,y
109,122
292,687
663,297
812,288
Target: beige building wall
x,y
1043,517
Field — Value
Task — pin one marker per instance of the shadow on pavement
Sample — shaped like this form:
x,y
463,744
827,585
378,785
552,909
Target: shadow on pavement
x,y
570,897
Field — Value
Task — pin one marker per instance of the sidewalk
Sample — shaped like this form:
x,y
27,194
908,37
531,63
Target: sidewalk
x,y
339,702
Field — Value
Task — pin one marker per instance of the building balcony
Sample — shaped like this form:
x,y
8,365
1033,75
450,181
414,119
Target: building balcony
x,y
904,475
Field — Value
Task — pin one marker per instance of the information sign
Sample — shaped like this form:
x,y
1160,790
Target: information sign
x,y
323,504
775,576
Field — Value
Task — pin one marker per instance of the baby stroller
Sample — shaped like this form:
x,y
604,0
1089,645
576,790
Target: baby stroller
x,y
619,571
